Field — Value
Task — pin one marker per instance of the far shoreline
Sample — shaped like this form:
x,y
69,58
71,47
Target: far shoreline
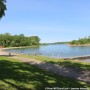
x,y
74,45
5,48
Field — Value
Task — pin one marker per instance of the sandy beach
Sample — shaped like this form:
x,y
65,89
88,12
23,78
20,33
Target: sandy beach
x,y
3,53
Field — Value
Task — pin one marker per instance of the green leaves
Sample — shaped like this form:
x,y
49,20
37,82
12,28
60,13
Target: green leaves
x,y
81,41
2,8
8,40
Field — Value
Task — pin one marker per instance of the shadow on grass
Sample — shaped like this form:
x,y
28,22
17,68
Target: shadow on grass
x,y
76,65
21,76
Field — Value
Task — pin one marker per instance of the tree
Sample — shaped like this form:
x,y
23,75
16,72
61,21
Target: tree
x,y
8,40
34,40
2,8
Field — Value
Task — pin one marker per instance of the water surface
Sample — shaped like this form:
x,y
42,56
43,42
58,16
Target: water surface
x,y
57,50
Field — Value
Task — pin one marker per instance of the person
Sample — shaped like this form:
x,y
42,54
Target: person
x,y
9,54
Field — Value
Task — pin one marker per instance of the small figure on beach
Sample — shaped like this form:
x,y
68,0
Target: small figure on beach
x,y
9,54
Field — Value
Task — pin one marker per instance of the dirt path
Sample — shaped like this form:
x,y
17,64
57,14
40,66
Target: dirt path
x,y
59,70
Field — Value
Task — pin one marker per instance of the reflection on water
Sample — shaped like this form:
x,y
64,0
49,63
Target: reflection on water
x,y
57,50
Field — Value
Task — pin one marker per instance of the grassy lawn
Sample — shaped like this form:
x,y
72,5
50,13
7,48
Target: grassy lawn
x,y
78,65
15,75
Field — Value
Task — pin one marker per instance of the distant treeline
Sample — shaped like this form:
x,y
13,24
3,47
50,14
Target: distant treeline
x,y
81,41
60,42
8,40
54,43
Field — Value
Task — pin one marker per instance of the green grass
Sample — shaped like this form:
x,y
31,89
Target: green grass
x,y
15,75
76,64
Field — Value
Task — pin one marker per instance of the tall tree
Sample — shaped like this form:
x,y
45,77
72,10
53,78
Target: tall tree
x,y
2,8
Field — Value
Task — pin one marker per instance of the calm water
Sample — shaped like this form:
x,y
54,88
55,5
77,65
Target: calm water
x,y
58,50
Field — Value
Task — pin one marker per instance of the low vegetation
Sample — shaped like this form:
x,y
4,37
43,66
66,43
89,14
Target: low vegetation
x,y
15,75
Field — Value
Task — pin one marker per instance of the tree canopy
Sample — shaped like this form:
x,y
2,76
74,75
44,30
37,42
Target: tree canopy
x,y
81,41
7,40
2,8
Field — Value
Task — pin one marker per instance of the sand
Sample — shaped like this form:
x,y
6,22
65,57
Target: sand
x,y
3,53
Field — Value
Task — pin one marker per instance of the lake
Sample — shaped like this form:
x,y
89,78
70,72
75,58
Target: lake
x,y
56,50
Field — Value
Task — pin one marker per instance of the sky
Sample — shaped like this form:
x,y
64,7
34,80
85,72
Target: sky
x,y
50,20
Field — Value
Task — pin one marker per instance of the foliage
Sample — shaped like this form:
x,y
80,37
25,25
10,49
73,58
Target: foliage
x,y
2,8
16,75
8,40
81,41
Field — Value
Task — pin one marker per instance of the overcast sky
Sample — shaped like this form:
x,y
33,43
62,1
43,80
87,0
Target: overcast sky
x,y
51,20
